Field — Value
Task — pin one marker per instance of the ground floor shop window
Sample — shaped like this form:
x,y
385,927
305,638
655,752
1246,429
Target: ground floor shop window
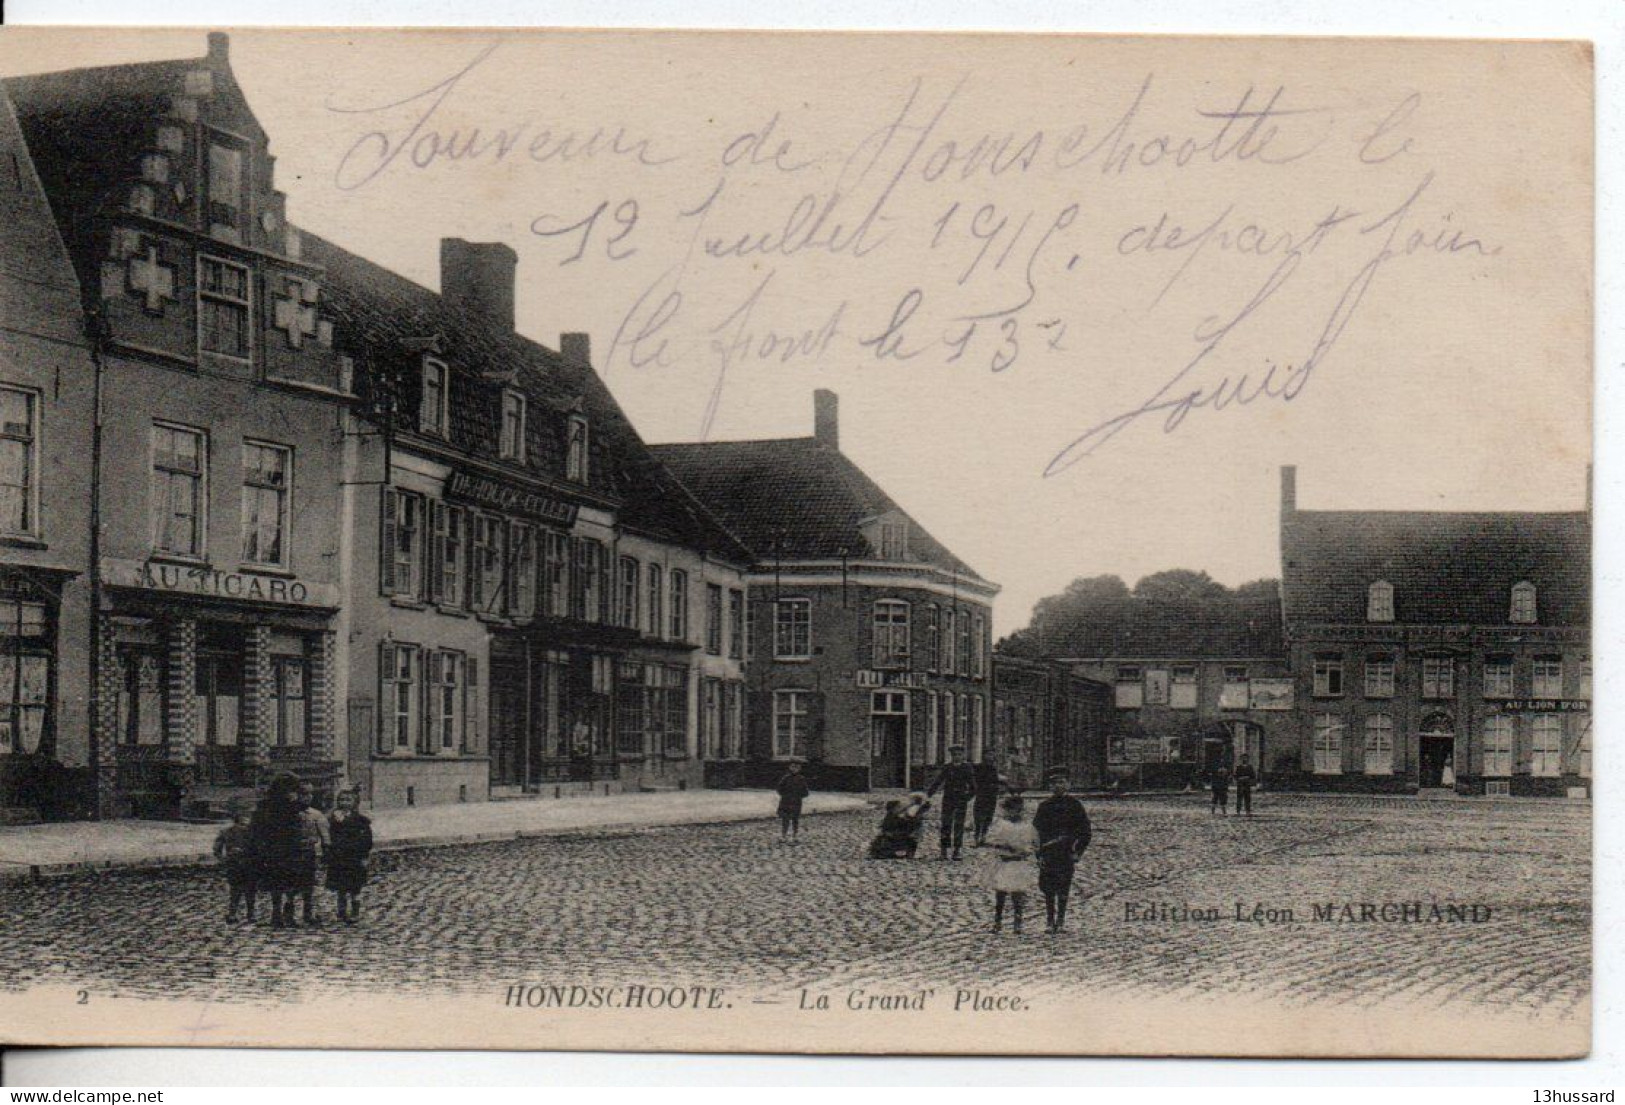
x,y
401,668
1546,745
1498,743
25,685
1379,744
292,677
790,723
652,709
1328,748
141,697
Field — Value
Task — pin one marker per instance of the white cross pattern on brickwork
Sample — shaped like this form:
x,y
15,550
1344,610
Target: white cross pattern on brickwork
x,y
155,280
296,312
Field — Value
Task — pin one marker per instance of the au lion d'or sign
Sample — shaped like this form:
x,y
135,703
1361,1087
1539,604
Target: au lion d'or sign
x,y
206,582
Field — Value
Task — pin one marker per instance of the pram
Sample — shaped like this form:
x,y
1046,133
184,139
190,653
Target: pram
x,y
899,836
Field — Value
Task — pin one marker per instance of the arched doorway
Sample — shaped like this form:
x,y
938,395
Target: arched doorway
x,y
1436,751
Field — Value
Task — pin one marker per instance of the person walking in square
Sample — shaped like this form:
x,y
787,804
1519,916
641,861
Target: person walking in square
x,y
349,834
989,785
957,781
312,846
1009,868
793,791
1064,832
1245,778
1220,782
276,846
233,847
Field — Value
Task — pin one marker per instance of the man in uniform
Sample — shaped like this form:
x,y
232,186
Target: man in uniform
x,y
957,781
1245,777
1063,834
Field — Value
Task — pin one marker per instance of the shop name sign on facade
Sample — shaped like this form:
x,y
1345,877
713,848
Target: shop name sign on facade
x,y
869,678
487,492
204,582
1546,705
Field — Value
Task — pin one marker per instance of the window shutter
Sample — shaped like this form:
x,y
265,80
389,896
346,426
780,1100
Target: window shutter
x,y
386,542
457,542
437,547
428,674
386,698
815,724
471,706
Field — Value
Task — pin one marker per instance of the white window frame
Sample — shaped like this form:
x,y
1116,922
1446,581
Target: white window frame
x,y
512,444
1500,745
401,725
435,420
284,502
1438,678
1500,678
246,304
736,623
1546,677
1379,744
578,449
656,583
201,503
629,587
890,622
1328,744
1379,602
792,629
1524,605
1327,671
790,713
30,442
677,609
1380,676
715,612
1546,745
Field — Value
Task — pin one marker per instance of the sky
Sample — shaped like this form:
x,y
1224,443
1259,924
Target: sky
x,y
1081,298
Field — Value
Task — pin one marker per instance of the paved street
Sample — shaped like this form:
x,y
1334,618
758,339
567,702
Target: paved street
x,y
727,904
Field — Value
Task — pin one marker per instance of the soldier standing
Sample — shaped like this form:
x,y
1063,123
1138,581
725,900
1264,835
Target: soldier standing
x,y
1063,833
1245,777
957,781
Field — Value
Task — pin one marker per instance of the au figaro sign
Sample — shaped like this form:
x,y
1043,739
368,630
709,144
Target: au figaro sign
x,y
208,582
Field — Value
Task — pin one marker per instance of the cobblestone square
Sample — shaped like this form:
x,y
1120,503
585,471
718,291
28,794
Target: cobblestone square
x,y
729,905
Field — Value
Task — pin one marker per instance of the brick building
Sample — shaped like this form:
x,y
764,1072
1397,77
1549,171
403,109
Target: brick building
x,y
870,648
219,559
1437,650
1046,715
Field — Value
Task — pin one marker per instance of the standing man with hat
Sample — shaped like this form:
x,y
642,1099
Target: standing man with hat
x,y
1063,834
957,781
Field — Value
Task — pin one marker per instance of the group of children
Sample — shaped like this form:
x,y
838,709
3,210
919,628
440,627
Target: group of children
x,y
280,846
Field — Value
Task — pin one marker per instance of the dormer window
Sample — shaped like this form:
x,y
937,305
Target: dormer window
x,y
1523,603
226,199
433,403
576,450
1379,602
894,540
513,425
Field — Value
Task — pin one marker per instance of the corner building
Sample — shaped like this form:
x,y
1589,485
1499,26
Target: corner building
x,y
870,648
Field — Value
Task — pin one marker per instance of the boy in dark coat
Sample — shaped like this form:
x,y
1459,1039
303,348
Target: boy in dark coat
x,y
989,785
957,781
1221,790
1063,833
1245,777
232,849
349,844
277,847
793,790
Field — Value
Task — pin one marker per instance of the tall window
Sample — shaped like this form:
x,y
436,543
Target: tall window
x,y
1379,744
1548,677
1379,602
1379,677
521,570
1438,677
963,666
556,573
894,540
1498,742
948,715
179,460
399,700
733,720
1130,687
267,476
947,654
1498,677
928,640
1182,693
292,709
628,592
447,703
713,619
226,193
587,587
890,619
1328,747
490,559
711,719
19,461
402,543
790,723
978,646
1328,676
933,728
433,403
792,629
223,310
657,601
1546,741
513,425
450,541
577,450
736,623
1523,603
679,605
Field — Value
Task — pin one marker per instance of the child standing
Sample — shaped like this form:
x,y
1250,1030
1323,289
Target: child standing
x,y
793,790
231,848
312,843
1010,872
349,844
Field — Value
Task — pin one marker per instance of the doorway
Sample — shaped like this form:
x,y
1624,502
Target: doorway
x,y
888,739
508,701
218,695
1435,754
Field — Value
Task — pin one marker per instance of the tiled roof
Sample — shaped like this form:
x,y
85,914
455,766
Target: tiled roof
x,y
1445,568
1235,626
795,499
385,319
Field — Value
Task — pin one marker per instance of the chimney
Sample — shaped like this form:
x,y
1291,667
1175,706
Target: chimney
x,y
1289,488
478,277
826,418
219,47
576,348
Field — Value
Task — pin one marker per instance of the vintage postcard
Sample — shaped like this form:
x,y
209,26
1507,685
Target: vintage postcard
x,y
1028,544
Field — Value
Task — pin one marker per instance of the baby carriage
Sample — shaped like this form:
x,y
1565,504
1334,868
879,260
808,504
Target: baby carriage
x,y
899,836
